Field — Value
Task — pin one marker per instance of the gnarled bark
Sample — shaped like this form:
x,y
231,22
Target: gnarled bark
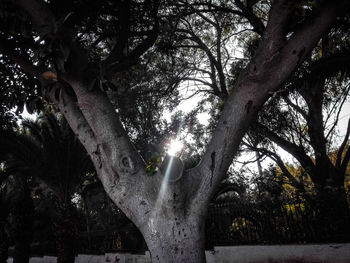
x,y
175,239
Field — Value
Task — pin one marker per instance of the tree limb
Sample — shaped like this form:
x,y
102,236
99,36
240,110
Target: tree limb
x,y
248,13
295,150
345,162
339,161
118,61
313,28
110,134
295,107
340,107
277,159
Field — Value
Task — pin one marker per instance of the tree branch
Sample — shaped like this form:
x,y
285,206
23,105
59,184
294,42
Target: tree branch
x,y
340,107
345,162
248,13
277,159
133,57
274,36
295,107
339,161
295,150
110,134
294,182
118,61
123,35
122,170
313,29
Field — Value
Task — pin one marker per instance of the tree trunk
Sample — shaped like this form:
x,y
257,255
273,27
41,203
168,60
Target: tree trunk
x,y
65,229
175,239
22,227
4,243
21,253
334,212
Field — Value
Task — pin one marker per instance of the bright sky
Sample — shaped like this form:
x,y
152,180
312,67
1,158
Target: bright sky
x,y
343,119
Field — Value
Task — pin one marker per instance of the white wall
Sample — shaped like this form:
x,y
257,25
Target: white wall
x,y
330,253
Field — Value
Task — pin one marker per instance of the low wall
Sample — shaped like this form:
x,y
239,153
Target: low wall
x,y
330,253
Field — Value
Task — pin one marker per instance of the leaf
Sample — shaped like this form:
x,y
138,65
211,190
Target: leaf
x,y
50,76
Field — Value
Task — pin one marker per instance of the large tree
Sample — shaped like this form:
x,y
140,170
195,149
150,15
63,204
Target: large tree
x,y
75,52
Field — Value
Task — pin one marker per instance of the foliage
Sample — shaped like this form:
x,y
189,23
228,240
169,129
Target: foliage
x,y
63,161
46,150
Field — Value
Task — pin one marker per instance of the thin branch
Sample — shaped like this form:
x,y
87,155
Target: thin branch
x,y
295,107
339,161
297,151
338,113
248,13
345,162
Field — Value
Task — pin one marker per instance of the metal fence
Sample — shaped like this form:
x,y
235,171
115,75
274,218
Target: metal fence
x,y
238,223
247,223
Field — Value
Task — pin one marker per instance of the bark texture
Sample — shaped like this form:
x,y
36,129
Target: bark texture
x,y
175,240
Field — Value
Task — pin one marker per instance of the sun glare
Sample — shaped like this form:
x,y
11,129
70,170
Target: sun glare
x,y
174,147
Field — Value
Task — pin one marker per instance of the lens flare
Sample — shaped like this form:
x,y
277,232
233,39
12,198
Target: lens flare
x,y
175,146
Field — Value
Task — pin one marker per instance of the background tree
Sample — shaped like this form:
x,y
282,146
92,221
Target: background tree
x,y
56,158
102,215
302,120
18,171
